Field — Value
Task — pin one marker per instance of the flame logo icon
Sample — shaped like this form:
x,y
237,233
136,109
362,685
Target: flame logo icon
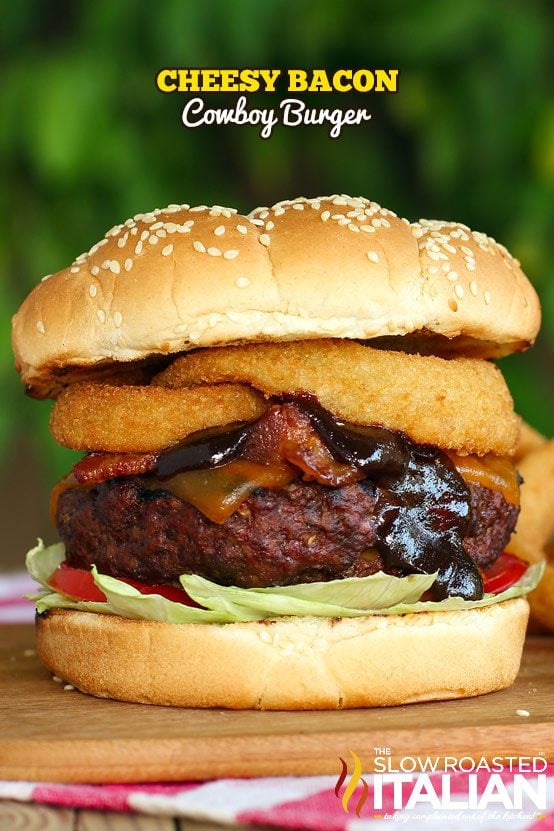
x,y
355,780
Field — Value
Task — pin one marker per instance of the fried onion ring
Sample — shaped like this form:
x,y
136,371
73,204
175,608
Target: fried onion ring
x,y
535,526
529,440
460,404
141,419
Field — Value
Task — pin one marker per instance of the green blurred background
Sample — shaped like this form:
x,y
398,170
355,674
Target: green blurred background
x,y
86,140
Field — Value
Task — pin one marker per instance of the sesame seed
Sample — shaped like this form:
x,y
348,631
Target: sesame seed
x,y
57,679
138,247
231,253
352,227
338,216
373,256
467,251
265,239
161,233
242,229
153,239
118,319
220,230
459,291
473,288
433,269
257,221
445,267
487,297
46,277
128,264
264,214
523,713
75,269
214,252
298,207
92,290
279,211
183,229
325,215
242,282
95,270
369,229
197,245
156,225
40,327
376,222
470,265
101,315
114,267
145,235
68,687
121,242
270,226
167,250
170,227
452,276
450,248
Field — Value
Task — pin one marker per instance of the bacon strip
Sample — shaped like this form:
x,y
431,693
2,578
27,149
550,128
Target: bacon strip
x,y
95,468
283,433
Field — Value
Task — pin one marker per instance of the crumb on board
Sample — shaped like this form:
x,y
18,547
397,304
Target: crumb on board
x,y
524,713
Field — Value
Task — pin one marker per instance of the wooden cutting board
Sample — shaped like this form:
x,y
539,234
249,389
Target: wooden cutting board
x,y
51,734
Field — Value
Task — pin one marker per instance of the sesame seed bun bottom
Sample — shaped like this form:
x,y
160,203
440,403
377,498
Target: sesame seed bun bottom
x,y
288,663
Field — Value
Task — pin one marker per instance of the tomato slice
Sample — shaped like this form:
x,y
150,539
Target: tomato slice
x,y
76,583
504,573
79,584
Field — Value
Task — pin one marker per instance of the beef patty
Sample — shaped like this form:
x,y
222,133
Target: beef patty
x,y
304,532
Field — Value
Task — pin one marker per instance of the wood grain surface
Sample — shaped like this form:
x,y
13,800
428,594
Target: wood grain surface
x,y
49,733
15,816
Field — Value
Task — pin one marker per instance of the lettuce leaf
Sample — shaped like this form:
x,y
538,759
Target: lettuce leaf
x,y
380,594
127,601
121,599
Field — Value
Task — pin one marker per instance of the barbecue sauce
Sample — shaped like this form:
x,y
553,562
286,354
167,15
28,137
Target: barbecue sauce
x,y
424,502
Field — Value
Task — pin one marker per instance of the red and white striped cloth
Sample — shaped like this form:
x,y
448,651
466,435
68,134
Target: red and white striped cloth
x,y
312,803
308,803
14,608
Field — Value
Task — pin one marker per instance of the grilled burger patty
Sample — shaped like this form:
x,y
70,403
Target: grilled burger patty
x,y
303,532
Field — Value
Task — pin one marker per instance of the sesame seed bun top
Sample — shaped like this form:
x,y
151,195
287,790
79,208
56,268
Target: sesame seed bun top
x,y
174,279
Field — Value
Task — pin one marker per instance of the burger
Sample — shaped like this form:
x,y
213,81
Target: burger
x,y
298,483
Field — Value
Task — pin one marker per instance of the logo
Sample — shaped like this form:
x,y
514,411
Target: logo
x,y
407,783
355,780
